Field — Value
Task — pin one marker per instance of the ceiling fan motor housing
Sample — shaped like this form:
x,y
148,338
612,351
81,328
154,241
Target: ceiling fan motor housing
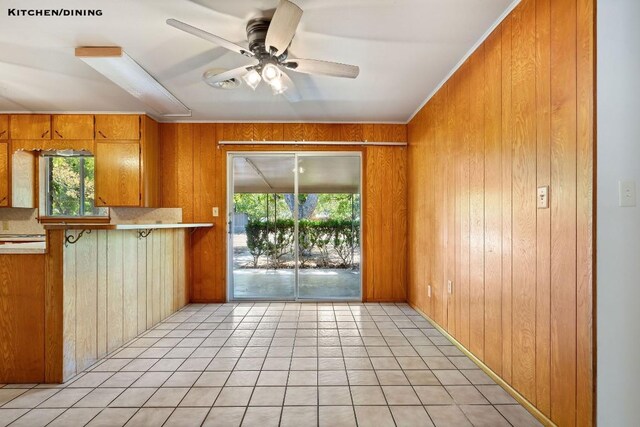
x,y
256,35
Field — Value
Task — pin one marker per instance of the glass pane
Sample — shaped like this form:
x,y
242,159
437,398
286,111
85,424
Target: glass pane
x,y
329,227
64,186
90,208
263,227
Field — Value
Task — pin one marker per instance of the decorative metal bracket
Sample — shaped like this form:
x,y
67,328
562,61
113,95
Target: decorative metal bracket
x,y
142,234
70,239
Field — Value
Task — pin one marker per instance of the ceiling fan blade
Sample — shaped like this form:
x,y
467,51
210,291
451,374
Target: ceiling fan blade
x,y
291,94
283,26
209,37
315,66
211,77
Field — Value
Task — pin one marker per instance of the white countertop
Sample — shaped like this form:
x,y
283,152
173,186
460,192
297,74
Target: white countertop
x,y
23,248
99,226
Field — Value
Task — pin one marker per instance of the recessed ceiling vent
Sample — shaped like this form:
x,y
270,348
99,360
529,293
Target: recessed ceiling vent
x,y
229,84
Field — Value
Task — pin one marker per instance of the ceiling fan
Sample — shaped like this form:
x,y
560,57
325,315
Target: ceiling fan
x,y
269,40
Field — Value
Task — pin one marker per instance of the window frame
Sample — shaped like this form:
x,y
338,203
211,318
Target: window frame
x,y
47,217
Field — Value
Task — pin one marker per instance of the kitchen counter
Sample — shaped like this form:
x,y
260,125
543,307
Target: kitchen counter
x,y
99,226
39,247
36,244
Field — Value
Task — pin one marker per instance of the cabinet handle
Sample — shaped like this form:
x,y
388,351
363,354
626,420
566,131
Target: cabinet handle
x,y
3,132
44,134
58,133
102,134
102,200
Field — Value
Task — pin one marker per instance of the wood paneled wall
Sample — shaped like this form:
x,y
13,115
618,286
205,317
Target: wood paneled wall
x,y
195,179
115,286
22,318
517,115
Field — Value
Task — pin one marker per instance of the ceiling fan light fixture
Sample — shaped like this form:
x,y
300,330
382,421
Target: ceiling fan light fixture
x,y
270,73
252,79
278,86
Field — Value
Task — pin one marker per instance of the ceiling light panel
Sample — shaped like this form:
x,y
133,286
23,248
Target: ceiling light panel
x,y
120,68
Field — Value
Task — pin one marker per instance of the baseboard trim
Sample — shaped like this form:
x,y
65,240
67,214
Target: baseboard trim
x,y
502,383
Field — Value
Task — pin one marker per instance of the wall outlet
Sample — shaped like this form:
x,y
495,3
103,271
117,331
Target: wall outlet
x,y
627,193
215,211
543,197
449,286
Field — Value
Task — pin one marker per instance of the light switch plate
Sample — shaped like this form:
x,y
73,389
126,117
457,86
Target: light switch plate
x,y
215,212
429,291
543,197
627,193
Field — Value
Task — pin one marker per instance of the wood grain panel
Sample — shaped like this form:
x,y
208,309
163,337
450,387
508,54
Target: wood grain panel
x,y
585,194
4,174
53,304
543,258
507,216
398,228
476,202
493,200
523,81
531,100
73,126
117,178
30,126
115,291
130,285
449,214
85,272
117,127
22,317
4,127
69,309
563,211
150,163
103,278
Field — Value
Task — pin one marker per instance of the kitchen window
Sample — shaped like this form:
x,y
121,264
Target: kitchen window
x,y
70,185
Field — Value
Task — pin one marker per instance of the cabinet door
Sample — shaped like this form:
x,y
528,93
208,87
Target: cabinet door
x,y
117,173
117,127
4,174
73,126
30,126
4,126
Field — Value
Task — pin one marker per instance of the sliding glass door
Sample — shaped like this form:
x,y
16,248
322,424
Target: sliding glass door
x,y
329,227
294,226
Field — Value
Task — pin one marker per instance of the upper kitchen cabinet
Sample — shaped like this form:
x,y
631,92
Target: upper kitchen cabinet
x,y
117,174
117,127
30,126
73,126
127,171
4,126
4,174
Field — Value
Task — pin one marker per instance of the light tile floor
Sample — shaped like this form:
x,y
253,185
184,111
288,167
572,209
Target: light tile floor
x,y
270,364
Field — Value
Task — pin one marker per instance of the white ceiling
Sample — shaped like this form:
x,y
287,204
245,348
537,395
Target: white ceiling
x,y
404,48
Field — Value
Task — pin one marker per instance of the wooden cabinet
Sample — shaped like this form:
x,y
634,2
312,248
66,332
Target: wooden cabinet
x,y
117,127
30,126
73,126
4,174
4,127
117,173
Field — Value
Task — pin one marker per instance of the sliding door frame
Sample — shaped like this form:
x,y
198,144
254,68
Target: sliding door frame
x,y
230,204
